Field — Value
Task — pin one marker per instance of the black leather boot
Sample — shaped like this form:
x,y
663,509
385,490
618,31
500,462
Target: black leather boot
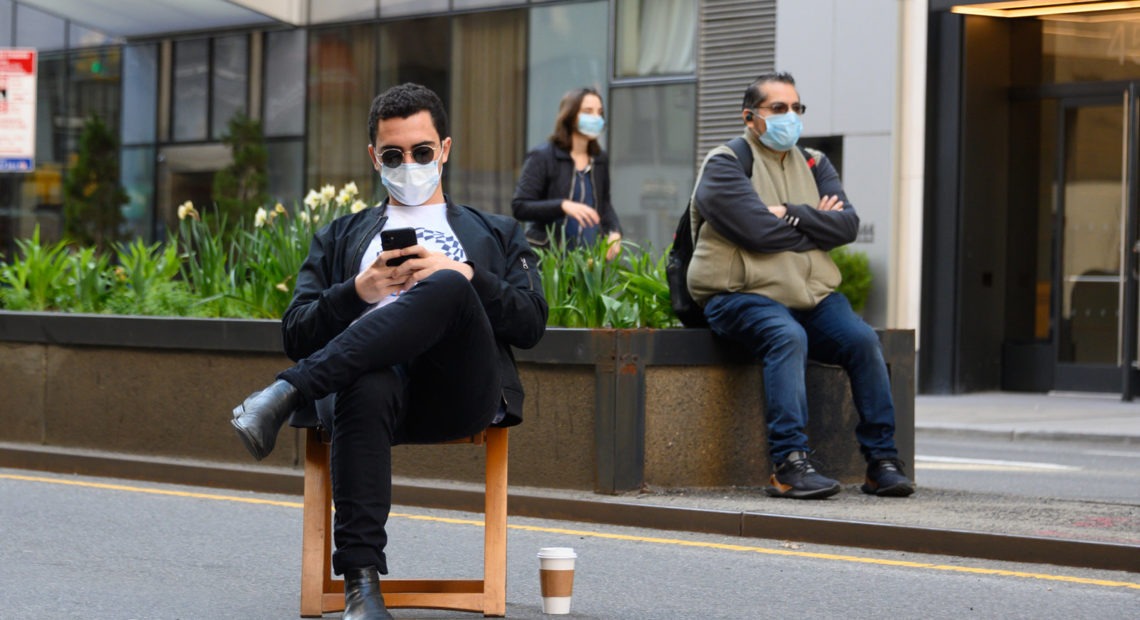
x,y
362,598
259,418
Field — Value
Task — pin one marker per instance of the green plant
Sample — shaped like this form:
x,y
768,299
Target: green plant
x,y
205,265
583,289
241,187
90,280
645,282
855,267
38,279
270,255
94,197
146,278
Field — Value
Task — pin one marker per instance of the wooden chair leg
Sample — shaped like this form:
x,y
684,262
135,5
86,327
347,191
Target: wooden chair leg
x,y
316,535
495,525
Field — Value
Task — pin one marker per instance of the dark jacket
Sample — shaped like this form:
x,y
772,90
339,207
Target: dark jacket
x,y
727,199
325,300
545,182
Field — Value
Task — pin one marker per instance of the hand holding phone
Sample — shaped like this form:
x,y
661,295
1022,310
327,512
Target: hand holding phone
x,y
396,238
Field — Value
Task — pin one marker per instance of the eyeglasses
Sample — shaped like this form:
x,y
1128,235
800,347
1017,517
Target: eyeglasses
x,y
782,108
421,154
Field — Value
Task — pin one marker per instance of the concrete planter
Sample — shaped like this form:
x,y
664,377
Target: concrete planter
x,y
608,410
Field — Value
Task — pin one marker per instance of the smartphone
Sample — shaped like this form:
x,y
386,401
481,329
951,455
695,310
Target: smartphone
x,y
396,238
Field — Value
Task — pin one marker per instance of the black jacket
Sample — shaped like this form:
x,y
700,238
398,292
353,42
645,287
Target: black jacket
x,y
545,182
325,300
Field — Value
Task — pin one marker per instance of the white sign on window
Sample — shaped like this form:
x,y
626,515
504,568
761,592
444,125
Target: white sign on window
x,y
17,110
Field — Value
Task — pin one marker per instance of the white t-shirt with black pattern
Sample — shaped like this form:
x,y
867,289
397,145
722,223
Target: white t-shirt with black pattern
x,y
432,231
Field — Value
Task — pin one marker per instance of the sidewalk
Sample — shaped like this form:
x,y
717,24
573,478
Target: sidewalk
x,y
1031,416
931,511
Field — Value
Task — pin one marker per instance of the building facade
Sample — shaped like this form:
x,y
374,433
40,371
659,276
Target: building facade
x,y
672,74
1030,245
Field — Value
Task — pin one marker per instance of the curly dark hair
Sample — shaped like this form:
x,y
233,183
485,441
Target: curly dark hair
x,y
403,101
754,96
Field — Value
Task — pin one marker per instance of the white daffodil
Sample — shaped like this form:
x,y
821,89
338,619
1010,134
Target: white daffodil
x,y
358,206
260,217
303,216
186,210
312,199
328,192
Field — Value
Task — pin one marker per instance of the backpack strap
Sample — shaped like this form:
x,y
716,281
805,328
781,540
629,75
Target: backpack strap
x,y
743,154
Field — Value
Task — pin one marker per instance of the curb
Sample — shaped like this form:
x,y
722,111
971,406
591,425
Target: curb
x,y
469,497
1016,435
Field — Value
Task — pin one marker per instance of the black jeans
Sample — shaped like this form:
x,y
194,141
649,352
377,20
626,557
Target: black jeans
x,y
421,369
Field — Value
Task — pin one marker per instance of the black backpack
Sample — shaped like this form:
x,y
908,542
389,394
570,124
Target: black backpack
x,y
677,268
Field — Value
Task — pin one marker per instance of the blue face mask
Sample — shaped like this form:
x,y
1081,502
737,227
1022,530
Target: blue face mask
x,y
590,125
783,131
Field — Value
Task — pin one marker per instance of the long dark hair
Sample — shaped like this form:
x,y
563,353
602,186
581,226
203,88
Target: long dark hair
x,y
567,119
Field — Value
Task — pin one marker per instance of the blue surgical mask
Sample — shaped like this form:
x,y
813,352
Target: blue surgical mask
x,y
590,125
411,184
783,131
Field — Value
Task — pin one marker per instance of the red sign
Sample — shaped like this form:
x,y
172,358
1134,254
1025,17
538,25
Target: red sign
x,y
17,110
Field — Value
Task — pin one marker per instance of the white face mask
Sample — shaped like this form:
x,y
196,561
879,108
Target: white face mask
x,y
411,184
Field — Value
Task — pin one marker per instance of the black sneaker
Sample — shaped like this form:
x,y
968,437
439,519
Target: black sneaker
x,y
885,478
797,479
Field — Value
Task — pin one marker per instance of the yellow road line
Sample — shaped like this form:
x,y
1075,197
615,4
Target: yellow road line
x,y
607,536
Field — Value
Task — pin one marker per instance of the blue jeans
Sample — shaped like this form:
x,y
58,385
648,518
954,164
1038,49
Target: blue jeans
x,y
784,339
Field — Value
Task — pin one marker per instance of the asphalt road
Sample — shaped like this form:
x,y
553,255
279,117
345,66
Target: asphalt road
x,y
73,547
1070,470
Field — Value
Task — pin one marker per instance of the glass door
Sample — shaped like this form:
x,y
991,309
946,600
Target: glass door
x,y
1092,198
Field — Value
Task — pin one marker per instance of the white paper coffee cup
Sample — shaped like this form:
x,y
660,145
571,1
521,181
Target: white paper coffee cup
x,y
556,572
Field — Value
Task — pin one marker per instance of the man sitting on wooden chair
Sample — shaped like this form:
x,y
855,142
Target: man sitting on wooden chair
x,y
414,351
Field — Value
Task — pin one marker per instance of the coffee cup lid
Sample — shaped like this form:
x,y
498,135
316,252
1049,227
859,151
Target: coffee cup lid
x,y
557,552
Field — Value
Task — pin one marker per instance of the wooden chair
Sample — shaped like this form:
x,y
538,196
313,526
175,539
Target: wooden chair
x,y
321,593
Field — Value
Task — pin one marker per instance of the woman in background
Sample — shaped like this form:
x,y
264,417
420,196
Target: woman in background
x,y
566,181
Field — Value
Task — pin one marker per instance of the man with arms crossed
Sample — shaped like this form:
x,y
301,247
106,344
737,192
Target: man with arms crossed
x,y
760,269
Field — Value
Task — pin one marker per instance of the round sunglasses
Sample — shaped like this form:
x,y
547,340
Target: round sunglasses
x,y
421,154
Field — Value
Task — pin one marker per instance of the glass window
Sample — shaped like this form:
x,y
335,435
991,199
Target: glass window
x,y
403,58
51,139
36,198
284,83
286,162
1076,49
140,92
137,177
397,8
342,74
40,30
488,61
652,133
230,80
567,50
655,38
94,86
191,84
